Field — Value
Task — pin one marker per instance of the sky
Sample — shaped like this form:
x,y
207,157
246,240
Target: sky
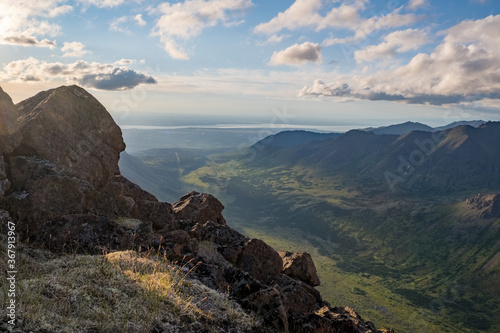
x,y
315,62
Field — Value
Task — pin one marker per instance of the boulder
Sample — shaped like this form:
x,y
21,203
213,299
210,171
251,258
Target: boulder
x,y
42,192
260,260
177,246
70,128
9,133
486,205
200,207
300,265
269,304
144,206
299,297
227,241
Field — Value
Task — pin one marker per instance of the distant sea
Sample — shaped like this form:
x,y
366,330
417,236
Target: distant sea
x,y
277,127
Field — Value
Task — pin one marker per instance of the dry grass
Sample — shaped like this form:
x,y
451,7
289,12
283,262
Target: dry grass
x,y
118,292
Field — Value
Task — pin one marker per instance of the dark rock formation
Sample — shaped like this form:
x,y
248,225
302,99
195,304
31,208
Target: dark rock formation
x,y
61,185
300,266
486,205
9,134
199,207
260,260
70,128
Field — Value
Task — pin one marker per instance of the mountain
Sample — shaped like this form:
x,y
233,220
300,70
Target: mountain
x,y
293,138
390,217
473,123
400,129
404,128
458,159
63,192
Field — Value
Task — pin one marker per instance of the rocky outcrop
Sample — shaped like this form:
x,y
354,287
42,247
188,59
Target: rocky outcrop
x,y
70,128
61,184
199,207
486,205
66,165
300,265
9,134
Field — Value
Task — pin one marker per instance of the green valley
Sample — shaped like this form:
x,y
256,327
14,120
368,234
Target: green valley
x,y
416,258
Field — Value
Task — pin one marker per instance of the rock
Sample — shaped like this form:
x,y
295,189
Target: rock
x,y
300,265
260,260
70,128
487,205
83,233
142,205
9,131
200,207
42,192
228,242
177,245
299,297
269,304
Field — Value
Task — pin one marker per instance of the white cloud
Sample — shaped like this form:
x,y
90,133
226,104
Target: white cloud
x,y
23,21
116,24
465,67
301,13
124,62
120,24
306,13
102,3
395,42
184,20
95,75
139,20
413,4
274,39
73,49
297,55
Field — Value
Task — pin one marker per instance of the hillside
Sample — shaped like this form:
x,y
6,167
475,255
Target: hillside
x,y
459,159
62,195
405,237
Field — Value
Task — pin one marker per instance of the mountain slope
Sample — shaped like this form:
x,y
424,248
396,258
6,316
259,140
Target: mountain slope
x,y
458,159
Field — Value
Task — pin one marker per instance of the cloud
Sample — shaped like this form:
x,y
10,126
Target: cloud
x,y
22,21
395,42
117,24
139,20
413,4
297,55
102,3
94,75
463,68
184,20
302,13
73,49
118,79
27,41
306,14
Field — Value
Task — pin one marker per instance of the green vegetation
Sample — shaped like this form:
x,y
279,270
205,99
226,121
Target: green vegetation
x,y
416,264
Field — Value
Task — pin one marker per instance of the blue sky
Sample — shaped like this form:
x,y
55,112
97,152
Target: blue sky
x,y
315,61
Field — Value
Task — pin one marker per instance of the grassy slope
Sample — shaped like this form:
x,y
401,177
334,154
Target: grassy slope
x,y
415,264
117,292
